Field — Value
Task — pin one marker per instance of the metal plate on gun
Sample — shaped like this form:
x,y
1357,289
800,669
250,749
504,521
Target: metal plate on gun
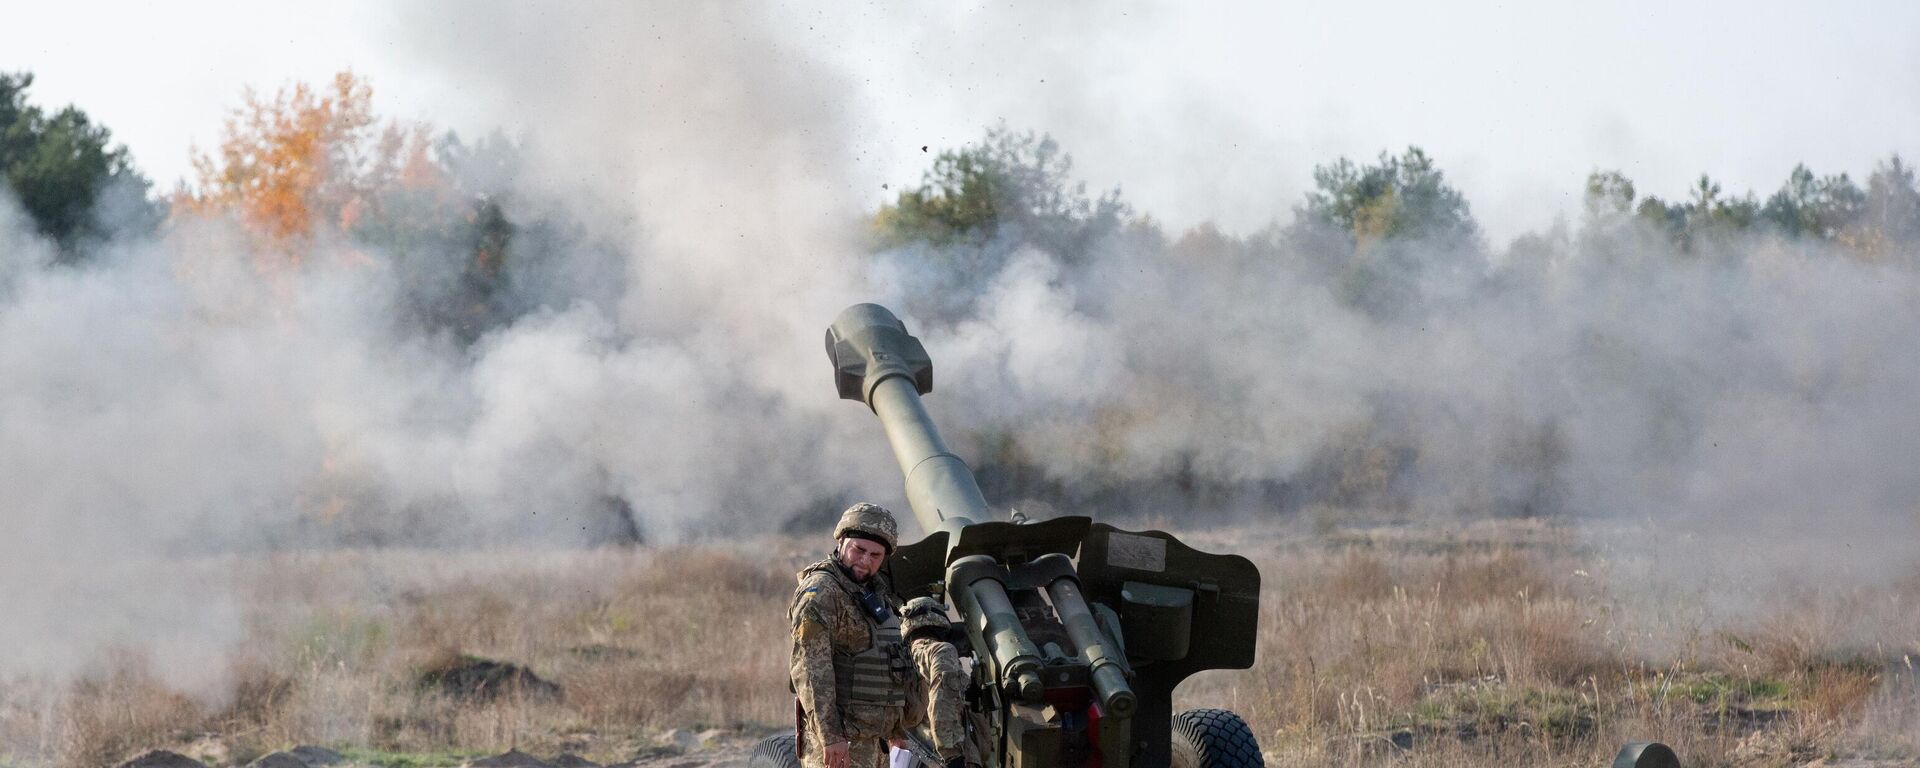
x,y
1141,553
1020,542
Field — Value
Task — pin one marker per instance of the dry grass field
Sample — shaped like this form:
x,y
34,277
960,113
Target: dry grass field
x,y
1515,643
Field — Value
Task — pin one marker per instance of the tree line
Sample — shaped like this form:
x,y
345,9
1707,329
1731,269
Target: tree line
x,y
1021,182
312,163
308,170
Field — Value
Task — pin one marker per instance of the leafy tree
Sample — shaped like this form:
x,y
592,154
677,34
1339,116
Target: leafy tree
x,y
1622,229
1388,232
310,165
1667,217
1405,197
74,186
1814,207
1890,213
1706,193
306,160
1609,195
1206,243
1706,218
1709,210
1016,185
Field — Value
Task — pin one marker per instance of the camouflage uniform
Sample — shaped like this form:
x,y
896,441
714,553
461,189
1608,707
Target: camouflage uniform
x,y
939,665
850,671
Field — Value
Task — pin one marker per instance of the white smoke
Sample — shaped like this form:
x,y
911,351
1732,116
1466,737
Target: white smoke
x,y
170,398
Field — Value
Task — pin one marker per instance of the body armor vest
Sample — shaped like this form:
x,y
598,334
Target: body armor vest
x,y
879,674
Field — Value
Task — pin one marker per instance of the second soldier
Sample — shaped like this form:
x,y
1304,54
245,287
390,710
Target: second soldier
x,y
938,662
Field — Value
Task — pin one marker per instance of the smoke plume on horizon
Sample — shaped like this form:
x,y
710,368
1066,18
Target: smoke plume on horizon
x,y
666,381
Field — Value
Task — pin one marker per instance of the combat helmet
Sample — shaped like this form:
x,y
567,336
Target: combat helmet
x,y
868,521
923,613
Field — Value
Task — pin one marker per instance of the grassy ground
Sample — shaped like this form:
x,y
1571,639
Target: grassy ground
x,y
1520,643
1511,643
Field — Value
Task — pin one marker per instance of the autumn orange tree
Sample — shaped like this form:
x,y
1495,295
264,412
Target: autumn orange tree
x,y
315,166
307,161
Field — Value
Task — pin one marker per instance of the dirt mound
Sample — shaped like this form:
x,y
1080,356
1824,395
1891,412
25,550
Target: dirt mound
x,y
477,678
279,760
512,758
161,758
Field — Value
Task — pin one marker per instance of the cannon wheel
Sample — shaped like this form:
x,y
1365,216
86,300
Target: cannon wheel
x,y
775,752
1217,738
1646,754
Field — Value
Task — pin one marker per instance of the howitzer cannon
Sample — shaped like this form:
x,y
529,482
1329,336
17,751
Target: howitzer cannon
x,y
1079,631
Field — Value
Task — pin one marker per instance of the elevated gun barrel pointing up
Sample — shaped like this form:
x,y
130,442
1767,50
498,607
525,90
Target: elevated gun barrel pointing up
x,y
1079,631
875,361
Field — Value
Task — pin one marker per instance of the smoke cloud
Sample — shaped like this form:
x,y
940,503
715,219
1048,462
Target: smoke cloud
x,y
170,400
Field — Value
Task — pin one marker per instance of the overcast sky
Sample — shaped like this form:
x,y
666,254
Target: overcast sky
x,y
1197,110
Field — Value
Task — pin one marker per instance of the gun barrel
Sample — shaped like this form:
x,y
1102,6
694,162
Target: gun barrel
x,y
1103,657
978,586
875,361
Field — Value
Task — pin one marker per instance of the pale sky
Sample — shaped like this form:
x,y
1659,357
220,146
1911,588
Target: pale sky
x,y
1198,110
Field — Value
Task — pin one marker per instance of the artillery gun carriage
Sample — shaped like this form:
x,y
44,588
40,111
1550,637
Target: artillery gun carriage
x,y
1078,631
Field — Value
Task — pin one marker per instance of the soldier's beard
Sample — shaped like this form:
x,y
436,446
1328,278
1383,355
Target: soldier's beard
x,y
852,572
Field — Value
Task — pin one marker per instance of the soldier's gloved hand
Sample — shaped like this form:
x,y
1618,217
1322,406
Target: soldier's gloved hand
x,y
836,754
958,762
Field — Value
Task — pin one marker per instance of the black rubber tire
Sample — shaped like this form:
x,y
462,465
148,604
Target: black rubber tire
x,y
1646,754
1221,738
775,752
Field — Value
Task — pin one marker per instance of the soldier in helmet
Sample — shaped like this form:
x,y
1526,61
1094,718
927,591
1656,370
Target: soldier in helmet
x,y
850,666
925,623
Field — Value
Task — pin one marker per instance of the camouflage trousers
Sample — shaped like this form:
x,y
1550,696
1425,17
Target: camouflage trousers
x,y
946,692
867,729
861,753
